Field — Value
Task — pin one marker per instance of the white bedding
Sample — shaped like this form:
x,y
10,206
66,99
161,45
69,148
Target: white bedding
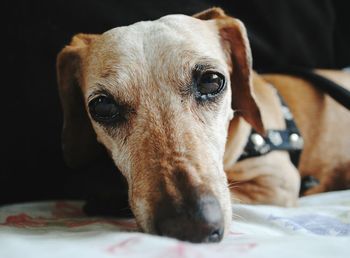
x,y
319,227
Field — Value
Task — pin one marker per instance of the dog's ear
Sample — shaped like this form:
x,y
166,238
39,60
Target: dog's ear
x,y
210,14
78,137
236,46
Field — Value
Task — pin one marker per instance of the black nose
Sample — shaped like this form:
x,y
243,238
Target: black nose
x,y
195,220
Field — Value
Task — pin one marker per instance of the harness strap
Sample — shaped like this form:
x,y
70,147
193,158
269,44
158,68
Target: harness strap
x,y
289,139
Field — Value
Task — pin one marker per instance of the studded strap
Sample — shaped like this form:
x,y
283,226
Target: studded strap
x,y
289,139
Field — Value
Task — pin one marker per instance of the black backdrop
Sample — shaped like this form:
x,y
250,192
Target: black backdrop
x,y
312,33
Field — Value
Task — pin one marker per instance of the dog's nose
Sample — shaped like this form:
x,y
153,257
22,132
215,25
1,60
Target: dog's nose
x,y
197,221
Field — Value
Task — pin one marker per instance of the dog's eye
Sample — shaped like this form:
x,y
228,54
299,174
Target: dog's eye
x,y
210,84
104,109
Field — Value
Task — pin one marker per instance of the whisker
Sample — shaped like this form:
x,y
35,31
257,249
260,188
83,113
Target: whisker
x,y
238,217
234,184
236,200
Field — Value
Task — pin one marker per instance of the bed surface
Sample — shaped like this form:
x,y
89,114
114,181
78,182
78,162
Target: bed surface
x,y
318,227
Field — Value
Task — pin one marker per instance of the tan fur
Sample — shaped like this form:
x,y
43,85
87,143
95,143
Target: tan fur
x,y
170,146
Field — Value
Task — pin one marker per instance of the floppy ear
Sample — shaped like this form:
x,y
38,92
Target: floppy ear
x,y
235,43
78,137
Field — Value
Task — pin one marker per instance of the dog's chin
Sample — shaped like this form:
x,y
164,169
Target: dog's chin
x,y
146,227
141,212
226,205
228,219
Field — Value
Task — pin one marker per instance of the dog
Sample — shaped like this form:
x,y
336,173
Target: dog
x,y
173,102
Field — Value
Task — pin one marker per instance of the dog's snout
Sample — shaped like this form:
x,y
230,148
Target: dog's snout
x,y
197,221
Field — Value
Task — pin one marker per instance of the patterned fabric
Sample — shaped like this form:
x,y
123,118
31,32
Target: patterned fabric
x,y
318,227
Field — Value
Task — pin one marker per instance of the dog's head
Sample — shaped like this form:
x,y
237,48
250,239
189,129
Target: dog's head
x,y
157,96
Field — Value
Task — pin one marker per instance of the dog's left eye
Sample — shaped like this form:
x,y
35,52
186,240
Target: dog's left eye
x,y
210,84
104,109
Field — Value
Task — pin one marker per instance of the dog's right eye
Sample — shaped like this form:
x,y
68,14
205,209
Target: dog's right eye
x,y
104,109
209,85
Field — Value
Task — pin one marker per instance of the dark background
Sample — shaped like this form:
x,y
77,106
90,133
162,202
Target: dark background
x,y
307,33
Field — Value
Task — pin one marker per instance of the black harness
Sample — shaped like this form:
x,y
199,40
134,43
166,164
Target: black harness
x,y
289,139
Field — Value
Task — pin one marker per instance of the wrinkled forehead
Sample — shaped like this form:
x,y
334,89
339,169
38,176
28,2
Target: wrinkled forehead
x,y
147,47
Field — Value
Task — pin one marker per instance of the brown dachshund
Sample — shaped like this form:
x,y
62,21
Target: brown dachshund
x,y
173,102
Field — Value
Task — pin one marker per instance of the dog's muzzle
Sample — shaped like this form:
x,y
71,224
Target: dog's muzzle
x,y
198,218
